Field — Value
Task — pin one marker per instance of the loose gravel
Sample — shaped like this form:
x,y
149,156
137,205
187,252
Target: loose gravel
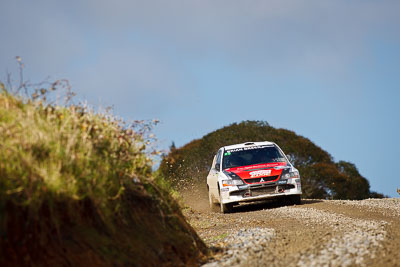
x,y
242,245
358,237
388,207
353,240
317,233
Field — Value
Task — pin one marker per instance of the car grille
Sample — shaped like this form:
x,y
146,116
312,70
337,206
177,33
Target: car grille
x,y
263,190
257,180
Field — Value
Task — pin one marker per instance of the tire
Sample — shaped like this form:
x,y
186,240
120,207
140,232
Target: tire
x,y
225,208
213,206
295,200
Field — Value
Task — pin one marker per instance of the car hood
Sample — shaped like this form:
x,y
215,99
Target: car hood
x,y
259,170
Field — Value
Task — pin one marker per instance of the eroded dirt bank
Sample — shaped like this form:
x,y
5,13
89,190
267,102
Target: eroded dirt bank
x,y
316,233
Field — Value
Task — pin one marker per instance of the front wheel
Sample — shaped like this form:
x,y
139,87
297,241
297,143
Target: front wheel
x,y
225,208
294,200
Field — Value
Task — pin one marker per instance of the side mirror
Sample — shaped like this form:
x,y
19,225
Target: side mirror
x,y
289,158
217,166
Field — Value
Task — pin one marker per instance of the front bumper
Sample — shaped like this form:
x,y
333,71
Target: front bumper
x,y
248,193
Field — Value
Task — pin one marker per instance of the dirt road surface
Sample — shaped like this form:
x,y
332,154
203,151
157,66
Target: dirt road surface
x,y
316,233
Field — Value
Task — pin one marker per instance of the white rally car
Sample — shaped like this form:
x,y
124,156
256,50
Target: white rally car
x,y
250,172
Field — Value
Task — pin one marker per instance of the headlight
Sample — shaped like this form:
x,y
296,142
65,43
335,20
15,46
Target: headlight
x,y
294,174
236,180
232,182
289,175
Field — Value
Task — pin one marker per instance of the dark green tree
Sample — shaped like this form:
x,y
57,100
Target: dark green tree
x,y
321,176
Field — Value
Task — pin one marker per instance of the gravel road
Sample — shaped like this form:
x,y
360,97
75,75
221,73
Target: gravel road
x,y
316,233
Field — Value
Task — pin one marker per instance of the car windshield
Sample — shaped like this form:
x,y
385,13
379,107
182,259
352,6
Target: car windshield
x,y
251,155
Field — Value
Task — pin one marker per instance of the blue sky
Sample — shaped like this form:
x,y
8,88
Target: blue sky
x,y
328,70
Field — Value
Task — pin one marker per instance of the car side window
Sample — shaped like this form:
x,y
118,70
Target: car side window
x,y
218,161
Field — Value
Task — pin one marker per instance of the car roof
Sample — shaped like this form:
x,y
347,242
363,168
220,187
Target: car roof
x,y
248,144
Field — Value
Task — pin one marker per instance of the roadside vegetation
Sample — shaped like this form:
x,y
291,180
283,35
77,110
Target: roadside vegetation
x,y
77,188
322,177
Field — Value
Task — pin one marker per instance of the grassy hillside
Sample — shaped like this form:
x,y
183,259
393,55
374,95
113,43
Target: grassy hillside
x,y
321,176
76,188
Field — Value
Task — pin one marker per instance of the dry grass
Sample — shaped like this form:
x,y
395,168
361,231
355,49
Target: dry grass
x,y
76,187
54,152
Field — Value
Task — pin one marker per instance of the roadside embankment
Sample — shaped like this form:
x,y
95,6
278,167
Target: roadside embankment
x,y
76,189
